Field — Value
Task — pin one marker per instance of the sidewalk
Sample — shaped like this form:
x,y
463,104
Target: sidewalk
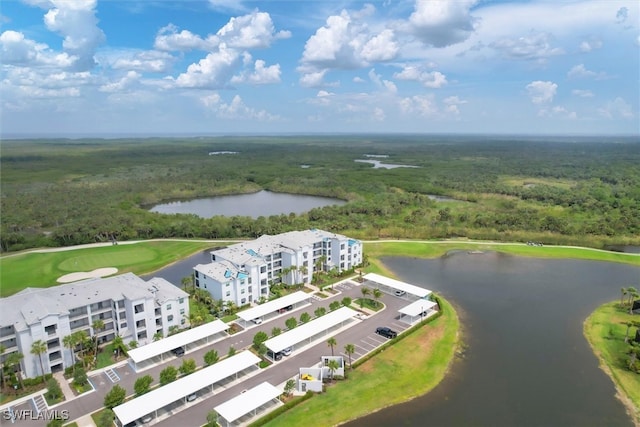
x,y
64,386
85,421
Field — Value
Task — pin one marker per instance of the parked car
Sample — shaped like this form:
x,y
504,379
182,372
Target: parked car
x,y
178,351
277,356
257,320
386,332
146,419
192,397
400,293
287,351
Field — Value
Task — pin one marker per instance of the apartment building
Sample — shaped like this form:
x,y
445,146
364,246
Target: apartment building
x,y
242,273
129,306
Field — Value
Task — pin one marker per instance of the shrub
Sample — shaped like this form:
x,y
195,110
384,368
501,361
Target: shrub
x,y
80,377
54,391
168,374
188,367
115,397
142,385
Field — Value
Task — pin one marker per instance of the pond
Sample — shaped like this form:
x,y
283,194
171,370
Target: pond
x,y
263,203
377,164
527,362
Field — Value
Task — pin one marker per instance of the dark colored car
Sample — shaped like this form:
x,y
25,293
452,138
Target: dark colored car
x,y
179,351
386,332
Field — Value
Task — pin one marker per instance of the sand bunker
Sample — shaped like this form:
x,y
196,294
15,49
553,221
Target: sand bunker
x,y
81,275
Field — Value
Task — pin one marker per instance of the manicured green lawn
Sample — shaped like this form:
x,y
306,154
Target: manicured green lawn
x,y
409,368
436,249
43,269
605,330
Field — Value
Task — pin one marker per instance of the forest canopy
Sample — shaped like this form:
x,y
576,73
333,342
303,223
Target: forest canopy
x,y
555,190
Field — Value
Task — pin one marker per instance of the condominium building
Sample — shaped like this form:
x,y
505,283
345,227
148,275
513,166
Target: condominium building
x,y
242,273
128,306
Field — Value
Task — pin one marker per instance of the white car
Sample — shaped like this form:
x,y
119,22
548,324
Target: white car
x,y
400,293
287,351
257,320
192,397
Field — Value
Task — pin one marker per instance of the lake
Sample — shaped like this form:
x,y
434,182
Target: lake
x,y
263,203
527,362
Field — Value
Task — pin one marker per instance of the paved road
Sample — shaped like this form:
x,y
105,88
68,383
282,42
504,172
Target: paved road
x,y
360,333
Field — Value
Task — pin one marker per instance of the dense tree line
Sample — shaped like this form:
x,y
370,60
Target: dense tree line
x,y
64,192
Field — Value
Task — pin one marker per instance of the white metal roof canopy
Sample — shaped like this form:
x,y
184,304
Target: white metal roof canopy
x,y
396,284
307,330
164,345
271,306
252,399
163,396
417,307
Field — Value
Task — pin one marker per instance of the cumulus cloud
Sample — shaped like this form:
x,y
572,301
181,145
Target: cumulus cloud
x,y
534,46
541,92
580,71
211,72
557,111
152,61
429,79
346,42
617,108
235,110
255,30
442,23
386,85
20,51
169,39
260,75
590,45
423,105
314,79
121,84
451,104
75,21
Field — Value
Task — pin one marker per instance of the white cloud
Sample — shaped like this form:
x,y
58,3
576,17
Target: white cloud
x,y
582,93
542,92
590,45
260,75
122,84
382,47
358,79
557,111
451,104
618,108
147,61
313,79
235,110
76,21
212,72
255,30
442,23
378,114
386,85
535,46
429,79
169,39
17,50
580,71
424,105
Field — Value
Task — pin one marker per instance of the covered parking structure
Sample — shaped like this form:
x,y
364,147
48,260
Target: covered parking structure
x,y
260,311
309,332
171,398
389,285
241,409
418,310
148,355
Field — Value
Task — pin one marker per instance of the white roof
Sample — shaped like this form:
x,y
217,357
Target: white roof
x,y
417,307
251,399
271,306
307,330
178,340
396,284
161,397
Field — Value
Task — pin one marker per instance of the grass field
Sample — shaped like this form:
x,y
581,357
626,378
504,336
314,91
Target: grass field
x,y
605,330
408,369
43,269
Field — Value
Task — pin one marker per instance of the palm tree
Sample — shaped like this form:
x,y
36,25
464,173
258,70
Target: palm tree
x,y
377,294
631,291
158,336
97,325
331,342
349,349
333,366
13,360
38,348
81,338
626,335
117,344
365,293
69,341
623,292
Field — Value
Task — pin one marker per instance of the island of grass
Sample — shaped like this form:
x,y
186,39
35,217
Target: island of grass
x,y
605,329
408,368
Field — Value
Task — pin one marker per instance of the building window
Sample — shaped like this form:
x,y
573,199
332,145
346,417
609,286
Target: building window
x,y
168,306
249,289
183,321
227,284
170,318
242,282
243,301
242,291
228,293
181,301
139,308
123,325
182,311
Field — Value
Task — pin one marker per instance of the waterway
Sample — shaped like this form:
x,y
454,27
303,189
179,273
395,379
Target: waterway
x,y
526,362
263,203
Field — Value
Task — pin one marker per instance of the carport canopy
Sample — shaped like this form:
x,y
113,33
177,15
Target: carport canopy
x,y
398,285
248,401
308,330
167,344
271,306
169,393
417,307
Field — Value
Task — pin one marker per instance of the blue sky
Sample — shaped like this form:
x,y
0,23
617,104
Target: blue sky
x,y
87,67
